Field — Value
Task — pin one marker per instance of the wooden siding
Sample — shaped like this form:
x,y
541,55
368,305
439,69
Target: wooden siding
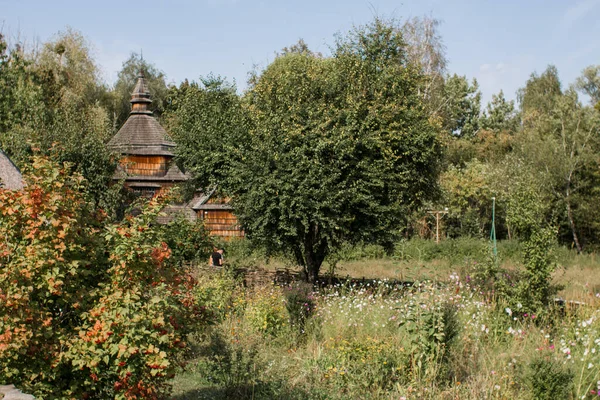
x,y
145,165
221,223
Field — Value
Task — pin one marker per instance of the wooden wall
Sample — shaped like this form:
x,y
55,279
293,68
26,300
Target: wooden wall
x,y
145,165
221,223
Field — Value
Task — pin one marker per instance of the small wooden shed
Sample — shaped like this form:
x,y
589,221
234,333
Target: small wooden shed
x,y
217,214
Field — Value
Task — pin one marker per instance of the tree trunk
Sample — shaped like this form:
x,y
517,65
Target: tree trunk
x,y
570,217
313,255
313,259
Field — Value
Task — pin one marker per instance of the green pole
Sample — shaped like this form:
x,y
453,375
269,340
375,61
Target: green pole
x,y
493,231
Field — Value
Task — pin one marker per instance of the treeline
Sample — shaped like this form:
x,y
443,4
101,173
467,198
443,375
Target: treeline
x,y
320,150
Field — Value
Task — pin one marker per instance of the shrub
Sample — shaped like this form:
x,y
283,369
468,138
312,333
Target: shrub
x,y
536,290
220,294
87,310
548,380
265,310
431,331
188,241
361,365
300,305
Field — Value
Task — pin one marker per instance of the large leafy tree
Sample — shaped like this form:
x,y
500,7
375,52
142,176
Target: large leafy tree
x,y
21,102
425,50
560,138
589,83
340,148
119,105
540,93
53,102
210,126
462,106
500,115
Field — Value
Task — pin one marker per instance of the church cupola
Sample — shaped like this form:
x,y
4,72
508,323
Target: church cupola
x,y
140,97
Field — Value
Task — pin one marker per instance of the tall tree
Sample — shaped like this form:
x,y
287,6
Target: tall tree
x,y
462,106
340,148
21,102
53,103
500,115
426,50
563,144
540,93
210,126
119,105
589,83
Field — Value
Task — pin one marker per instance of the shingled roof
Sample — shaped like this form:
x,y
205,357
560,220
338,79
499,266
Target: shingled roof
x,y
142,134
10,176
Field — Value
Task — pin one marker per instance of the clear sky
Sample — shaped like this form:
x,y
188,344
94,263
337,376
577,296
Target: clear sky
x,y
498,42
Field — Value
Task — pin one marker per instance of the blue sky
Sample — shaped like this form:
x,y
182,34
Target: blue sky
x,y
498,42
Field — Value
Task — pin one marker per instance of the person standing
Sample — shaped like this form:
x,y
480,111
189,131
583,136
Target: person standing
x,y
216,258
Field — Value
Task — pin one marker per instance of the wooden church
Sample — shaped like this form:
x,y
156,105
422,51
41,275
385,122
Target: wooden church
x,y
147,167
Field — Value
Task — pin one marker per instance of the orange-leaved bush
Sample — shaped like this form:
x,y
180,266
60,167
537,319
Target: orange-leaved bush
x,y
88,309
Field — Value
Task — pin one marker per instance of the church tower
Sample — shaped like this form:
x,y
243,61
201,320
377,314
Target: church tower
x,y
146,150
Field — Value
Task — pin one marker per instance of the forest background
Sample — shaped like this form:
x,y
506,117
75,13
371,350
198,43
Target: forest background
x,y
539,154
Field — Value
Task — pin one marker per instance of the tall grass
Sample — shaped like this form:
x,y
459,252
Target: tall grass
x,y
381,340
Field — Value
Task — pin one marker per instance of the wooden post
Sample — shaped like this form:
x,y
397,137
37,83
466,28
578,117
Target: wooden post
x,y
437,222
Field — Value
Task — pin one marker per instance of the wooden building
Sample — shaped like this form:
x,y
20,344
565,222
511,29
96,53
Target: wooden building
x,y
217,215
10,176
146,150
147,167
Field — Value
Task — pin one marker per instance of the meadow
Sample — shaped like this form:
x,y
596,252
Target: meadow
x,y
418,326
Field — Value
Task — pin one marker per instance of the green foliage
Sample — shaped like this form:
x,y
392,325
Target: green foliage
x,y
340,148
266,311
589,83
462,107
300,306
560,144
50,102
467,193
431,331
500,115
540,93
102,307
549,380
210,126
21,102
231,366
366,365
535,290
189,241
118,103
219,294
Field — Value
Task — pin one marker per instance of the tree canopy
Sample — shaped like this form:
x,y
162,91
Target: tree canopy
x,y
336,148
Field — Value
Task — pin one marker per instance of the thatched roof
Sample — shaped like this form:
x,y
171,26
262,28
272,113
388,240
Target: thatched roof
x,y
10,176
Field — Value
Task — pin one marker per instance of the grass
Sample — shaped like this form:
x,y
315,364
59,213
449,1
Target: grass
x,y
438,339
419,260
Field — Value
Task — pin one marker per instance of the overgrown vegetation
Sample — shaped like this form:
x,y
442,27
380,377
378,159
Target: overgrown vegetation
x,y
89,309
329,160
380,339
